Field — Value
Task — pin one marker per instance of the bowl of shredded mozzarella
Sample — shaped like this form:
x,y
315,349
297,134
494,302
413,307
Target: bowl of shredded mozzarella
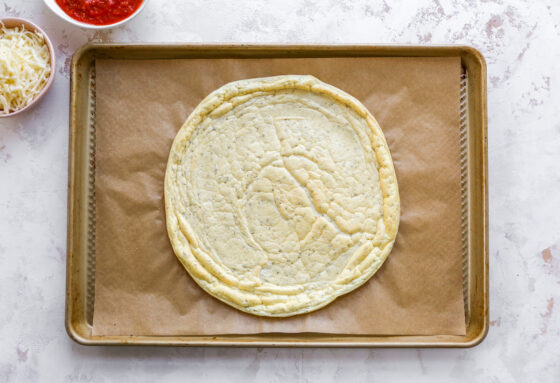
x,y
27,65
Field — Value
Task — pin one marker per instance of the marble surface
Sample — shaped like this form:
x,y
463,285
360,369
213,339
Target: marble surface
x,y
521,42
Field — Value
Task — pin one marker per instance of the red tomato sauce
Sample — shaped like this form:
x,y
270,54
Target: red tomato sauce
x,y
99,12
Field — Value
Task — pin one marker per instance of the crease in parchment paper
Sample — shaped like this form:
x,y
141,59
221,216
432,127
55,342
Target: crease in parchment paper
x,y
142,289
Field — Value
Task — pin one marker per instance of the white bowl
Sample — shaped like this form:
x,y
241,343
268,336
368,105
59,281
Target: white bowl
x,y
63,15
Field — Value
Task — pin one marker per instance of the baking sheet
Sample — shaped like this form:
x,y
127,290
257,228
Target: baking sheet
x,y
141,289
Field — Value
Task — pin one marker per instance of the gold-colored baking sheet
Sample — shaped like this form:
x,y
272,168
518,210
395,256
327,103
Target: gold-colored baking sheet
x,y
82,189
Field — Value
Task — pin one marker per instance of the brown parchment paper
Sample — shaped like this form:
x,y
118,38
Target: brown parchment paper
x,y
141,288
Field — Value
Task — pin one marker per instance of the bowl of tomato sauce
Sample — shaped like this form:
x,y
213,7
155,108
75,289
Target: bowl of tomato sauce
x,y
96,14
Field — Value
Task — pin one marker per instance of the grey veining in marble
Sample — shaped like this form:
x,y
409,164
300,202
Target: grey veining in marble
x,y
521,42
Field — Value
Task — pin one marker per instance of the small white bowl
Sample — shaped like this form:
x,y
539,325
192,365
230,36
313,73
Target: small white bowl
x,y
12,22
63,15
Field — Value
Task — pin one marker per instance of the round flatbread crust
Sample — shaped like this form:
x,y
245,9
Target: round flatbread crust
x,y
281,195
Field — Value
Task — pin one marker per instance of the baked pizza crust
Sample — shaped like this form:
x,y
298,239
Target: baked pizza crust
x,y
281,195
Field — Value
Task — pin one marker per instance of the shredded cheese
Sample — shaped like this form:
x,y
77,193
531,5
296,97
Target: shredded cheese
x,y
24,67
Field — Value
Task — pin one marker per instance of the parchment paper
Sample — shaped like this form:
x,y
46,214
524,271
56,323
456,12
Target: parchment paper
x,y
141,288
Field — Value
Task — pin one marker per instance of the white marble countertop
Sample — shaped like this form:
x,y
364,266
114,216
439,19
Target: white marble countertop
x,y
521,42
